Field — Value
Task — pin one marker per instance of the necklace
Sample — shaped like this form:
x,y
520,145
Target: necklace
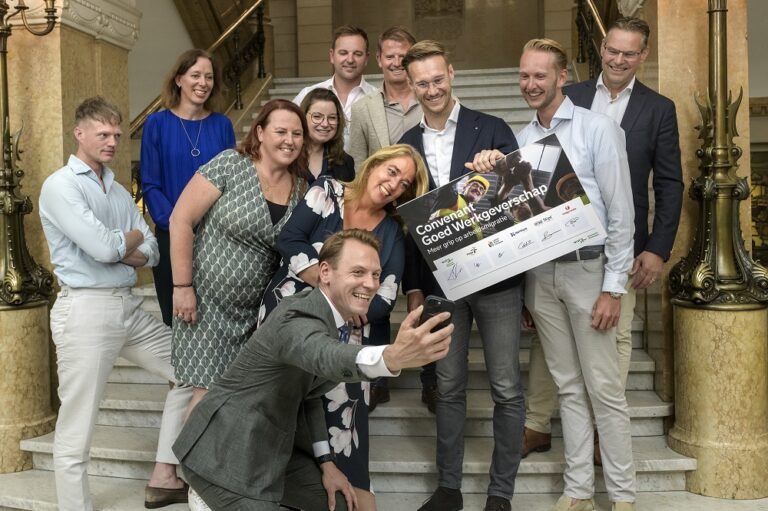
x,y
195,152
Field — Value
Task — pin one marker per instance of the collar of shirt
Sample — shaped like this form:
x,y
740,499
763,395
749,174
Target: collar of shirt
x,y
336,315
564,112
412,103
357,91
602,89
453,118
78,166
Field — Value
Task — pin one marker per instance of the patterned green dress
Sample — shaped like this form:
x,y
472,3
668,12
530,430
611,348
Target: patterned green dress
x,y
233,260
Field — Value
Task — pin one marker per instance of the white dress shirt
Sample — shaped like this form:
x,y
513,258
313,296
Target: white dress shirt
x,y
438,146
84,225
355,94
596,147
612,107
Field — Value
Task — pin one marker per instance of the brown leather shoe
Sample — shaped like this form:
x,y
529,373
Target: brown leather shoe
x,y
160,497
429,397
533,441
378,395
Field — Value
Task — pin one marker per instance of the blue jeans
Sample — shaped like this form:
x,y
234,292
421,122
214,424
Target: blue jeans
x,y
498,319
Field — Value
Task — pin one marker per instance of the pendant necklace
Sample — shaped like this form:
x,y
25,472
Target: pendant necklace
x,y
195,152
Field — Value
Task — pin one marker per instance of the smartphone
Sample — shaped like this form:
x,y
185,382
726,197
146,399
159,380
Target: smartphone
x,y
434,305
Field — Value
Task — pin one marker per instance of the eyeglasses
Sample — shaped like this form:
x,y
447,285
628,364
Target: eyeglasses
x,y
318,118
629,55
437,82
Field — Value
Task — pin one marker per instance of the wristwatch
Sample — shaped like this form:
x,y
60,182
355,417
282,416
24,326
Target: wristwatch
x,y
616,296
325,458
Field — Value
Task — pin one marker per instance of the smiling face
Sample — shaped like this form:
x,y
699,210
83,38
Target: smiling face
x,y
541,83
354,281
97,142
349,57
196,84
389,180
281,139
390,61
622,53
432,81
325,112
473,191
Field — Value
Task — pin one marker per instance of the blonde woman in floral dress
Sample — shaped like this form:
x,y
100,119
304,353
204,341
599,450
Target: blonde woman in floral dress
x,y
393,175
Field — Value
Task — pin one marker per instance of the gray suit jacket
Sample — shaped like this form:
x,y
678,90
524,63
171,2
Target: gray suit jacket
x,y
368,130
268,403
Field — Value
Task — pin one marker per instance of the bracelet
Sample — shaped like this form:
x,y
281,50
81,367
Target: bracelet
x,y
325,458
183,285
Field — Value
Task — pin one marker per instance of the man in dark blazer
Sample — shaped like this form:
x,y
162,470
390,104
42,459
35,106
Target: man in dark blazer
x,y
448,136
650,126
259,436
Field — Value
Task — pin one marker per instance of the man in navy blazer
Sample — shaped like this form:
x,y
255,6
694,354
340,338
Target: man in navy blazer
x,y
448,136
650,125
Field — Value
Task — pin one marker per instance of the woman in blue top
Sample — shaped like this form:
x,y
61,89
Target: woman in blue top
x,y
325,150
394,174
174,144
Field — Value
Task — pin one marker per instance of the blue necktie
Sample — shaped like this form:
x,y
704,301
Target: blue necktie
x,y
344,334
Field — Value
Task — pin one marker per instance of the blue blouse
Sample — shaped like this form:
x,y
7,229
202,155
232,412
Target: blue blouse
x,y
167,163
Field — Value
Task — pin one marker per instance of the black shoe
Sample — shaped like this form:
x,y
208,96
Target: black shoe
x,y
429,397
496,503
378,395
160,497
444,499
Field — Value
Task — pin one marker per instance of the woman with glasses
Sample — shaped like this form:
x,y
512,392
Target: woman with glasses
x,y
392,175
325,149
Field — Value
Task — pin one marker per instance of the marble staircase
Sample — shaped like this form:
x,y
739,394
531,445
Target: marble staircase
x,y
402,443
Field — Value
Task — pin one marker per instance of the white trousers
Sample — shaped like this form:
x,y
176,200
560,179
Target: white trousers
x,y
91,328
584,365
541,399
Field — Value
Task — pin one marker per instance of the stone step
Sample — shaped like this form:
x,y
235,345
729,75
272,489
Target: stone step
x,y
640,372
397,464
34,490
141,405
406,464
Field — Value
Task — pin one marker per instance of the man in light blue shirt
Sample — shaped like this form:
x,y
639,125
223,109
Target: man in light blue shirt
x,y
575,300
97,238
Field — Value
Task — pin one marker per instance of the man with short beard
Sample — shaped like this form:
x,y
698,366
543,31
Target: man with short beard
x,y
348,56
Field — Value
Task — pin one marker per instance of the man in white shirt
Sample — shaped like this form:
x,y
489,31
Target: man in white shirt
x,y
650,125
259,436
382,117
575,300
348,56
97,238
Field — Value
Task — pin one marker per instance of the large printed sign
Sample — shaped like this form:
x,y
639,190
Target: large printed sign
x,y
480,229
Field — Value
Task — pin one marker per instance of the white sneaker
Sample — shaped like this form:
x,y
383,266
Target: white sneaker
x,y
196,503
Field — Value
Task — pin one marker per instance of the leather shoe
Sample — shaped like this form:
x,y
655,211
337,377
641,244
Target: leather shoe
x,y
160,497
429,397
534,441
566,503
496,503
378,395
444,499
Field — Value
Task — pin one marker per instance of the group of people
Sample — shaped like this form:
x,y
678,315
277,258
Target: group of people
x,y
277,262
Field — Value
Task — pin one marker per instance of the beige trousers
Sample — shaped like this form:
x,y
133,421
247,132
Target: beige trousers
x,y
541,398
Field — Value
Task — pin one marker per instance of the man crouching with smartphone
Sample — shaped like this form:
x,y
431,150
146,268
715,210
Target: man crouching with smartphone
x,y
251,442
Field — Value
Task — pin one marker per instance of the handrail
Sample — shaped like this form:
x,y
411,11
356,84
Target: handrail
x,y
598,19
154,106
588,21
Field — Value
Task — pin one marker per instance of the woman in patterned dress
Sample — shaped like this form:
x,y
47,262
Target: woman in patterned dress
x,y
224,232
391,175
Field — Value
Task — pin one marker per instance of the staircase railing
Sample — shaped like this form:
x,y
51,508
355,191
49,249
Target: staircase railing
x,y
591,32
253,50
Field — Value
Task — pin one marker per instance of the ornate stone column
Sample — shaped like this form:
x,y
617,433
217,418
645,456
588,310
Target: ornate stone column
x,y
719,294
86,54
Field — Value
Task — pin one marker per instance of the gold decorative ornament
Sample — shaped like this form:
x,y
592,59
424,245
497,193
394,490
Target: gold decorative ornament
x,y
718,272
23,282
